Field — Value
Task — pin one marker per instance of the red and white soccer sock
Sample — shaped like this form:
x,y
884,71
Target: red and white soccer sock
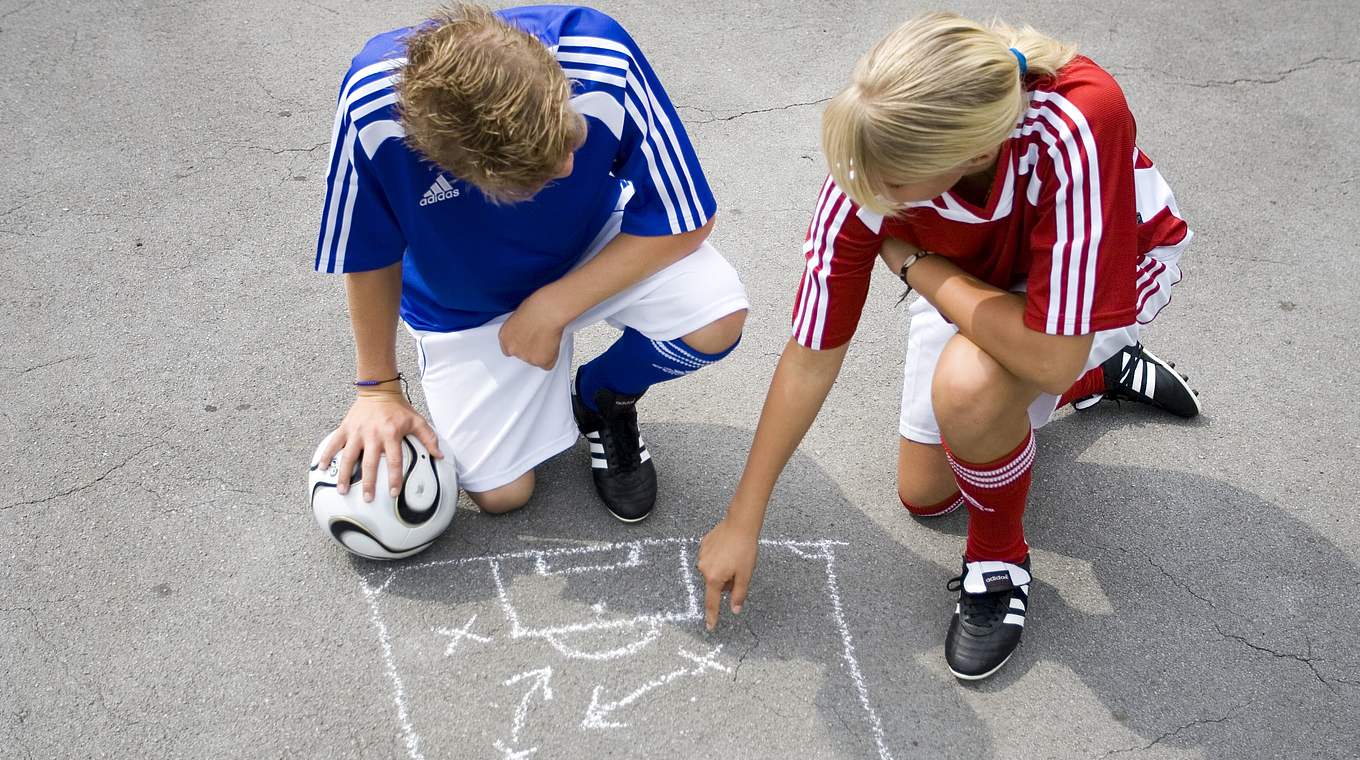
x,y
1089,384
940,509
995,493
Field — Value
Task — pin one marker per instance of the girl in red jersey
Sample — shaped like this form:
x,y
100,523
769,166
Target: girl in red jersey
x,y
995,171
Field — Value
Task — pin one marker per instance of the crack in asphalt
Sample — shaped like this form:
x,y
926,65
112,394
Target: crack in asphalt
x,y
52,363
1267,79
25,6
1170,576
281,151
714,117
746,620
1168,734
84,486
94,685
1278,77
1306,660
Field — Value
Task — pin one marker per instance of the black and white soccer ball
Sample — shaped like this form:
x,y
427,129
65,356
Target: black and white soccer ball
x,y
386,528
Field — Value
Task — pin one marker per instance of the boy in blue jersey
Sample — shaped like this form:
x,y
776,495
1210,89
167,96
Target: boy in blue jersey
x,y
501,180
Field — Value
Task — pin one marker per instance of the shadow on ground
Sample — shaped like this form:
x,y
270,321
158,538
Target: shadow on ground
x,y
1161,615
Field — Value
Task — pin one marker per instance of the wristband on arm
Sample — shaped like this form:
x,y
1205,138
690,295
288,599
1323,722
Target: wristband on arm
x,y
363,385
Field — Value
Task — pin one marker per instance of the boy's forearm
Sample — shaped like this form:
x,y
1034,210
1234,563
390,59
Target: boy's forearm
x,y
374,301
623,262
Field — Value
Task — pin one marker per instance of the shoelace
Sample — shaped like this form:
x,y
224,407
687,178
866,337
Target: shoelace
x,y
980,610
619,436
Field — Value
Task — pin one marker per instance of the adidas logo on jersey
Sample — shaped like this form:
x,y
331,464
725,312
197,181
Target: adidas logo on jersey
x,y
441,190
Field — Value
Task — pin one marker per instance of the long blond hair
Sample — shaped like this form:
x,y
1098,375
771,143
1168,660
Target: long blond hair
x,y
937,91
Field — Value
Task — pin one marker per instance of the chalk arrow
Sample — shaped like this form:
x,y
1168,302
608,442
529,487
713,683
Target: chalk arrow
x,y
597,713
541,678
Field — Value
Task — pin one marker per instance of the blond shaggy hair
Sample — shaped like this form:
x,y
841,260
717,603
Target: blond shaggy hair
x,y
487,102
936,92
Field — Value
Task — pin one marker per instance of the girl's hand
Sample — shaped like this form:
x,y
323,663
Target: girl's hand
x,y
374,426
727,560
533,333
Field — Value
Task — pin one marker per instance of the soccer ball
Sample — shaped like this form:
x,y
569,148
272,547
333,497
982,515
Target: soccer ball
x,y
386,528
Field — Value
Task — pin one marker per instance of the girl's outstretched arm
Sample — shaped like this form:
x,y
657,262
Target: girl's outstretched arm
x,y
727,556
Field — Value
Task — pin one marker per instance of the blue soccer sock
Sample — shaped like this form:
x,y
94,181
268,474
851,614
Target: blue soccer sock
x,y
635,363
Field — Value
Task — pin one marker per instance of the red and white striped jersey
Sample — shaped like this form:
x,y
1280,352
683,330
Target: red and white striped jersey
x,y
1073,213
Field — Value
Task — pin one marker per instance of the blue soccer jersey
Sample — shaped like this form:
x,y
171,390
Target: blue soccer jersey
x,y
465,259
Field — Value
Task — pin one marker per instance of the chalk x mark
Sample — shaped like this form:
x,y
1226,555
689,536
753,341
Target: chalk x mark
x,y
597,713
456,636
542,677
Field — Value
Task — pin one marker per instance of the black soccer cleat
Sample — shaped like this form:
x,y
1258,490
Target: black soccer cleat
x,y
989,618
1136,374
624,474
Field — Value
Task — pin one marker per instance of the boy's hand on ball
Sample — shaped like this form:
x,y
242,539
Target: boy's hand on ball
x,y
374,427
533,333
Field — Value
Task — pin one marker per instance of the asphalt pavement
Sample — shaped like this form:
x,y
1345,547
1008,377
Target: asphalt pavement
x,y
168,361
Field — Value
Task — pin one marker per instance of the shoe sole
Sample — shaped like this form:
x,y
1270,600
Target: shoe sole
x,y
1001,665
1188,390
628,520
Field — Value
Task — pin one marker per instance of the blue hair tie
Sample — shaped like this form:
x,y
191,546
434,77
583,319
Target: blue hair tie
x,y
1024,64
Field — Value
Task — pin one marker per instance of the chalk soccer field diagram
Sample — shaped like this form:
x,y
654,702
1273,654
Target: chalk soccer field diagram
x,y
481,674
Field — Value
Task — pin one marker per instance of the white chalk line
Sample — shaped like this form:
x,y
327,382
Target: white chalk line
x,y
633,560
573,653
510,754
596,712
541,683
408,732
569,550
457,635
550,635
848,654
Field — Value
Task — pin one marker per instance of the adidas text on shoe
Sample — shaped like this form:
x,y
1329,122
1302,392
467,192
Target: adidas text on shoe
x,y
988,619
623,471
1136,374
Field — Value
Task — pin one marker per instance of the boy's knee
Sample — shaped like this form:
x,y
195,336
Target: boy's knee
x,y
719,335
507,498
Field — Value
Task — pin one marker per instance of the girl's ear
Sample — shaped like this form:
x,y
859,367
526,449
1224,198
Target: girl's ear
x,y
981,161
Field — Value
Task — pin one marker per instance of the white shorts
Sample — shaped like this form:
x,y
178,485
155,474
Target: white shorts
x,y
929,332
499,416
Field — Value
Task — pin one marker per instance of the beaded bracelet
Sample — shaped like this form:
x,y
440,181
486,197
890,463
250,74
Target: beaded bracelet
x,y
405,387
373,383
